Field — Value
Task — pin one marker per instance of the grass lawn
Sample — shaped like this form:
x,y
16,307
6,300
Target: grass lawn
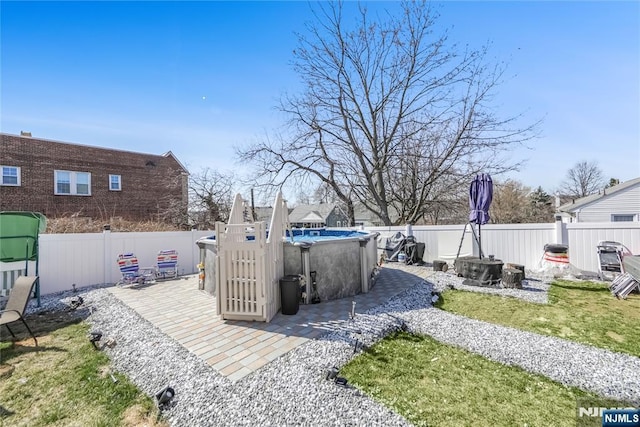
x,y
435,384
65,381
579,311
431,383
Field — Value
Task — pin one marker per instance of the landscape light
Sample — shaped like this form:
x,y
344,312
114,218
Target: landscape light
x,y
332,373
76,302
94,337
358,336
164,396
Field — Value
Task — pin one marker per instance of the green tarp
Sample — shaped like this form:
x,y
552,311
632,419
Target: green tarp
x,y
19,235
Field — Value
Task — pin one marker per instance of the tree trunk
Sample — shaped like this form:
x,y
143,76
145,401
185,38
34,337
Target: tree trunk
x,y
440,265
512,278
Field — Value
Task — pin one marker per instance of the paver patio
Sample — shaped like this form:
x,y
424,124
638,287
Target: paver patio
x,y
237,348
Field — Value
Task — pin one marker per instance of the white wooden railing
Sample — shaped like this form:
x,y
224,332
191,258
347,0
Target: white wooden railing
x,y
250,265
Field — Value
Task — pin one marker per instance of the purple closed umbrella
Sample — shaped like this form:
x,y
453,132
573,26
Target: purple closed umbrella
x,y
480,197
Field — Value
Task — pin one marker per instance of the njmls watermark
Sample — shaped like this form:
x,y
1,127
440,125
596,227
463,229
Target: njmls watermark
x,y
600,412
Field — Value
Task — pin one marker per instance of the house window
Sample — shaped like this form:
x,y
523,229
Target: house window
x,y
338,223
10,176
114,183
623,218
72,183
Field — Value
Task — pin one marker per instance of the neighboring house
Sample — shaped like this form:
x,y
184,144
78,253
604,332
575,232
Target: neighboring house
x,y
614,204
62,179
318,215
366,218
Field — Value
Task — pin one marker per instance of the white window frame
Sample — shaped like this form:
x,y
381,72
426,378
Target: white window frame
x,y
119,183
2,176
73,183
634,217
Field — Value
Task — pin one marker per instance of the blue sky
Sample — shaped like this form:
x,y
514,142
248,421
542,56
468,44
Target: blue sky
x,y
200,78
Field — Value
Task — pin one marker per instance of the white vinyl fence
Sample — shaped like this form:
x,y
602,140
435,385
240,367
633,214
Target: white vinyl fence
x,y
522,243
88,259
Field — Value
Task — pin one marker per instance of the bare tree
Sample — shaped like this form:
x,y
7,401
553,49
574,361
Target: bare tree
x,y
324,194
510,201
583,179
210,198
448,205
172,209
387,112
514,203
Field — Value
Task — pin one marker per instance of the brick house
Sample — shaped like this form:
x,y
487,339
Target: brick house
x,y
62,179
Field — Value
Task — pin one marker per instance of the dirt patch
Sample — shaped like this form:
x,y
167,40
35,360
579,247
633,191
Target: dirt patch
x,y
42,325
615,337
6,370
136,416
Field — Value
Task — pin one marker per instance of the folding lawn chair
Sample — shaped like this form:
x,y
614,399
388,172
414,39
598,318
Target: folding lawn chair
x,y
17,304
131,271
610,256
167,265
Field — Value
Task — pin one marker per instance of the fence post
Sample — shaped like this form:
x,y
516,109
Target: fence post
x,y
364,267
408,228
106,247
560,230
195,252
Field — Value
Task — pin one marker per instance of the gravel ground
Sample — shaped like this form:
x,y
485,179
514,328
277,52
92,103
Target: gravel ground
x,y
293,390
533,290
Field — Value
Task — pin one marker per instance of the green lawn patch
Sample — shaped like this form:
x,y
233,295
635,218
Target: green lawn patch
x,y
65,381
435,384
580,311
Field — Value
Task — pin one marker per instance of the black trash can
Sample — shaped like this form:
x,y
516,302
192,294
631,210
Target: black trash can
x,y
290,294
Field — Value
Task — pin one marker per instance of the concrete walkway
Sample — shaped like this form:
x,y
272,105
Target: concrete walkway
x,y
237,348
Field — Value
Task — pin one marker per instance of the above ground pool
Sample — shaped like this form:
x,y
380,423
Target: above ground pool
x,y
317,234
342,260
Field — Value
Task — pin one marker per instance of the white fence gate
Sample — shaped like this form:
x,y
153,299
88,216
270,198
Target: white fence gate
x,y
241,271
250,265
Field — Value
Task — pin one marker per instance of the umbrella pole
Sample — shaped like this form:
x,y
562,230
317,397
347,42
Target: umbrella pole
x,y
480,240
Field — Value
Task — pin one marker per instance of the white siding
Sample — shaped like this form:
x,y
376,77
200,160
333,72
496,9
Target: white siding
x,y
626,201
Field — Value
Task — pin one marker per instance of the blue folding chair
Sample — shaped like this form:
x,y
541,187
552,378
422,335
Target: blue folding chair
x,y
131,271
167,265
